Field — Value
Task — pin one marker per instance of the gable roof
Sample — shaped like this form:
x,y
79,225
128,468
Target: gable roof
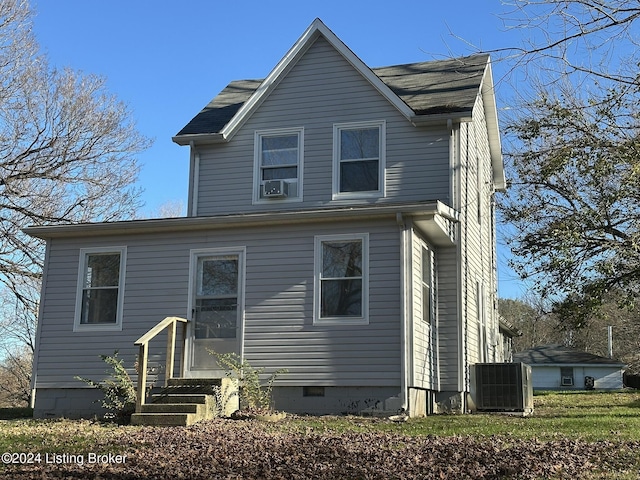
x,y
561,355
427,88
424,92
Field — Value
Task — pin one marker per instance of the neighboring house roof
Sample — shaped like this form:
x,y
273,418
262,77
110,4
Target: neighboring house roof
x,y
507,328
425,92
561,355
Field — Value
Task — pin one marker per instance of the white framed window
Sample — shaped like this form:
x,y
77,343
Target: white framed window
x,y
100,294
427,290
278,162
341,287
359,159
566,376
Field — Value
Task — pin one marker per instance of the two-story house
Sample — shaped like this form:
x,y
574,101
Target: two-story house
x,y
340,225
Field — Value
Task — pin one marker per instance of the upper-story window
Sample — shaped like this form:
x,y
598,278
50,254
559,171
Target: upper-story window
x,y
358,160
278,165
100,289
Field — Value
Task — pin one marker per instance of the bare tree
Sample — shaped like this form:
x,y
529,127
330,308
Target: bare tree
x,y
15,377
589,37
592,337
532,317
67,154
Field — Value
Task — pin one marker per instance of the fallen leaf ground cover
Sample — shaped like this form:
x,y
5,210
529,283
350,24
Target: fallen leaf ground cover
x,y
475,446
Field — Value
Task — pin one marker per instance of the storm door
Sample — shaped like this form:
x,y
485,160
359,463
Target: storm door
x,y
216,310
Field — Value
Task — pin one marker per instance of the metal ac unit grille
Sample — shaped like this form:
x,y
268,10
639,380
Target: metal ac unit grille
x,y
504,387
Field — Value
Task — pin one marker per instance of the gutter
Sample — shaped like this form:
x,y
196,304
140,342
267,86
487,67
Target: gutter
x,y
200,138
234,220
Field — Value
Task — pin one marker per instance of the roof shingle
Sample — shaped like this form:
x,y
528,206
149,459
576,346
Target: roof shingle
x,y
428,88
558,354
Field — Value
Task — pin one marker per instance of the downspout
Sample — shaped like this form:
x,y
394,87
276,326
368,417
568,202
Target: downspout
x,y
405,340
194,180
464,297
455,148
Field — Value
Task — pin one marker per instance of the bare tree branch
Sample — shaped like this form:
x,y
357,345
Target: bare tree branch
x,y
68,154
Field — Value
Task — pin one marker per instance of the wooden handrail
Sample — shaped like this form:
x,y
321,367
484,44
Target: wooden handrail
x,y
143,357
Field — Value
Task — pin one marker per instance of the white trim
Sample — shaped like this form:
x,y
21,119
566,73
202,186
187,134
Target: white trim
x,y
487,90
82,265
294,54
407,370
382,149
194,181
364,318
257,164
194,254
36,349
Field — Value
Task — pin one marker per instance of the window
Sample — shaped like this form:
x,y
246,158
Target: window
x,y
358,160
566,376
341,289
313,391
100,287
427,310
483,344
278,165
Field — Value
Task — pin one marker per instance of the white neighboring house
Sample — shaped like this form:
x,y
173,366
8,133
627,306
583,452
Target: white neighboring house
x,y
555,367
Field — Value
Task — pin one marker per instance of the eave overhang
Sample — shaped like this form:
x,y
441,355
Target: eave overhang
x,y
435,215
491,117
578,364
199,138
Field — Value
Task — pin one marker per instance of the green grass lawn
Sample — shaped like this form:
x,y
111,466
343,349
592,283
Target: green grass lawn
x,y
578,415
599,422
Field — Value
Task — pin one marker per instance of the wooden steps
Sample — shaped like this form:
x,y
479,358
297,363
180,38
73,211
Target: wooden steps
x,y
185,401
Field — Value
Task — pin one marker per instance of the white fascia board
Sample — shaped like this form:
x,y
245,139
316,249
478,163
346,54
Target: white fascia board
x,y
182,224
316,29
493,131
199,138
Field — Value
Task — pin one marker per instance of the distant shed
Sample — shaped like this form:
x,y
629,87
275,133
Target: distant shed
x,y
556,367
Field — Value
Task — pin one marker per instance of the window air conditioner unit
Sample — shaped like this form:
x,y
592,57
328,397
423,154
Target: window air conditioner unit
x,y
275,189
504,387
567,381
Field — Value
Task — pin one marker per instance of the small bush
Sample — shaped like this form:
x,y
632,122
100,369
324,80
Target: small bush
x,y
119,390
254,396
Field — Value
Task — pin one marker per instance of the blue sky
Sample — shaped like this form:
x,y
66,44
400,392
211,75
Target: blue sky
x,y
166,60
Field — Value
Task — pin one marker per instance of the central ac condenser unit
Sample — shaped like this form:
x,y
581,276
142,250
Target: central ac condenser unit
x,y
503,387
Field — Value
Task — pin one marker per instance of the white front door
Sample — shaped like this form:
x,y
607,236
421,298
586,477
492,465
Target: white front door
x,y
216,310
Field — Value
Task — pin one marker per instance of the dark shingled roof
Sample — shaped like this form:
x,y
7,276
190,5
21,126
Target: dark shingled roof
x,y
558,354
435,87
222,108
441,86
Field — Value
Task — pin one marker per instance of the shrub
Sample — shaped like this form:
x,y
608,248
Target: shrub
x,y
119,390
255,397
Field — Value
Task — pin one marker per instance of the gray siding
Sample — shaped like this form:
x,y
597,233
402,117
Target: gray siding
x,y
279,330
320,90
449,329
477,243
425,361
